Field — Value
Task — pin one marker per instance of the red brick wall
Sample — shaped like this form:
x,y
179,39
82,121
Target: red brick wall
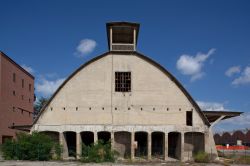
x,y
11,105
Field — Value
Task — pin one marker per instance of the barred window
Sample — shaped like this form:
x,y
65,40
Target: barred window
x,y
123,81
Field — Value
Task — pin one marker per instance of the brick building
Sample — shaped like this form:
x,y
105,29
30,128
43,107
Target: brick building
x,y
16,97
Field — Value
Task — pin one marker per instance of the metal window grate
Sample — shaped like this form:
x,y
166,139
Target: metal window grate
x,y
123,81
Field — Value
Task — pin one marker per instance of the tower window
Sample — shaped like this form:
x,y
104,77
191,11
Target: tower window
x,y
123,81
189,118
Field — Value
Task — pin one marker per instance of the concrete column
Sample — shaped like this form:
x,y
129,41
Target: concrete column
x,y
132,148
78,145
63,143
182,146
149,146
165,146
112,139
95,137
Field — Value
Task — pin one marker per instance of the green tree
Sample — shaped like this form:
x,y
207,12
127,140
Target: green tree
x,y
39,105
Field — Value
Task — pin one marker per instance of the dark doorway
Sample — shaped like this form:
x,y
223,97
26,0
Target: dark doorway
x,y
87,138
104,136
123,143
71,143
142,144
157,144
174,145
194,142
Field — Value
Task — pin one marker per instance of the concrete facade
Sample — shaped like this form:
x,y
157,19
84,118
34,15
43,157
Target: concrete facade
x,y
16,97
87,101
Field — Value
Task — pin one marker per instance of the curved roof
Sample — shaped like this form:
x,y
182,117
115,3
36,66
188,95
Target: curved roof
x,y
142,57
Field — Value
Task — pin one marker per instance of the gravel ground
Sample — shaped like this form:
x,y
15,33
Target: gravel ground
x,y
75,163
68,163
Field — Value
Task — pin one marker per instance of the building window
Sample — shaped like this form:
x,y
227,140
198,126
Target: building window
x,y
14,93
22,83
189,118
14,77
29,87
123,81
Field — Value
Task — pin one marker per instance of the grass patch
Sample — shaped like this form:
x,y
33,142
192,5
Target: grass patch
x,y
201,157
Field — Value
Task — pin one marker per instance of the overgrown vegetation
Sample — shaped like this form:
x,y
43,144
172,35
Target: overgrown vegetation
x,y
35,146
98,152
201,157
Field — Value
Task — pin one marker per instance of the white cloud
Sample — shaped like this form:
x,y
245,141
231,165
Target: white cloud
x,y
244,78
28,68
211,106
48,87
192,65
232,70
86,46
242,120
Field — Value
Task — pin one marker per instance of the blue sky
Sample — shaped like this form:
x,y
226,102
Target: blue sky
x,y
205,44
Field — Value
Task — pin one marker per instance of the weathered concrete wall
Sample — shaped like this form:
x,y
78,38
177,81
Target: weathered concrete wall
x,y
89,97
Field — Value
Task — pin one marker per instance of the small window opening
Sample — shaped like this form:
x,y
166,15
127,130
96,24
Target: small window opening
x,y
14,93
13,109
29,87
22,83
179,109
89,108
153,109
189,118
14,77
102,108
63,108
76,108
141,109
123,81
51,108
115,108
128,108
167,109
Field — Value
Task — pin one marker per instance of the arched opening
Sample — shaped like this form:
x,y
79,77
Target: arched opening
x,y
87,138
194,143
157,144
55,138
105,136
122,143
52,134
141,139
174,145
70,138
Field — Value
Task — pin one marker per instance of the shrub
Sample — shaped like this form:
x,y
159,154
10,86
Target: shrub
x,y
201,157
98,152
35,146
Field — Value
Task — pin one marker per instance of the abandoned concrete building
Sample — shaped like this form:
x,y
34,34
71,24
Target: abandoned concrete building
x,y
129,99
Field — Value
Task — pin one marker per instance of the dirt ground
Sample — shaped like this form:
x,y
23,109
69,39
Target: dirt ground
x,y
68,163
